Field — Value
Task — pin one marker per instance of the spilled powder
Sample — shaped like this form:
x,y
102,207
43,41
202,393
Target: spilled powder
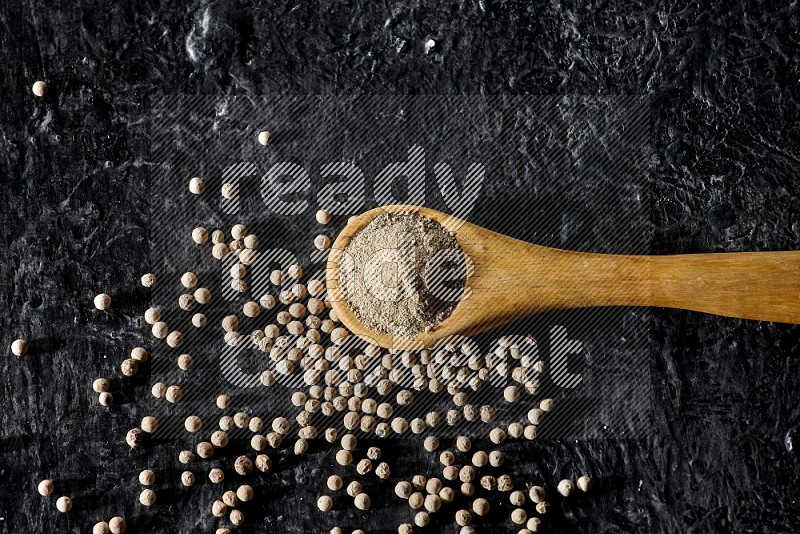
x,y
391,271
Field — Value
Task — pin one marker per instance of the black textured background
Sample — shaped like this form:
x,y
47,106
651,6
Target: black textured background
x,y
73,166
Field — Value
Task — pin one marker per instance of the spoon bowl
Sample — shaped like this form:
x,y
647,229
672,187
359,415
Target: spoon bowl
x,y
508,279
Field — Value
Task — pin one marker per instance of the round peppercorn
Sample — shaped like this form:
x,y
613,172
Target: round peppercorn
x,y
187,478
102,301
117,525
64,504
19,347
147,497
45,487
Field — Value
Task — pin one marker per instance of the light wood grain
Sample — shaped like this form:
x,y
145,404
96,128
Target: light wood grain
x,y
512,279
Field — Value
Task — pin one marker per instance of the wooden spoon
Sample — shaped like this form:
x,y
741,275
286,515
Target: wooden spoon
x,y
512,279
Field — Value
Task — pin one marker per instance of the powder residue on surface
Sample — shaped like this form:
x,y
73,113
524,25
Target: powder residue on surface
x,y
394,268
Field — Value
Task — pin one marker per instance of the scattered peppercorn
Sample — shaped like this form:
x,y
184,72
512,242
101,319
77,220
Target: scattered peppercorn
x,y
64,504
19,347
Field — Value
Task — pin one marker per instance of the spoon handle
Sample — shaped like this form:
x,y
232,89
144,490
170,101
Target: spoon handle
x,y
762,286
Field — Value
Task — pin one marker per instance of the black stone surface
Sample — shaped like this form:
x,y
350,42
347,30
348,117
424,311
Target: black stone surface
x,y
722,456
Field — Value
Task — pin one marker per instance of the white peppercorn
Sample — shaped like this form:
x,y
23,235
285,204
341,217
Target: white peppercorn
x,y
216,475
480,459
463,517
264,137
383,471
537,494
263,463
447,458
100,385
219,439
316,287
488,482
517,498
186,457
534,524
202,295
160,330
433,485
450,472
322,217
40,88
241,419
102,301
431,443
505,483
193,424
149,424
188,280
364,466
543,507
219,509
422,519
566,487
404,528
117,525
152,316
362,501
251,241
175,339
205,450
339,336
496,458
245,493
334,483
354,488
185,362
147,477
447,494
344,457
199,235
219,251
45,487
547,405
480,506
322,242
419,482
147,497
243,465
134,437
229,190
100,528
416,500
173,394
463,443
497,435
64,504
159,389
19,347
467,473
129,367
585,484
236,517
403,489
187,478
519,516
324,503
197,186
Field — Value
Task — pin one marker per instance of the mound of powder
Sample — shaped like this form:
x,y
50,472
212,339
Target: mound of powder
x,y
397,271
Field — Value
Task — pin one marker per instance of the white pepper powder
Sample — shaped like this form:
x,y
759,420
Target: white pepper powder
x,y
386,283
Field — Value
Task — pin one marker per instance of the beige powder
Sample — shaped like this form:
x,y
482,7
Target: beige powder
x,y
392,269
